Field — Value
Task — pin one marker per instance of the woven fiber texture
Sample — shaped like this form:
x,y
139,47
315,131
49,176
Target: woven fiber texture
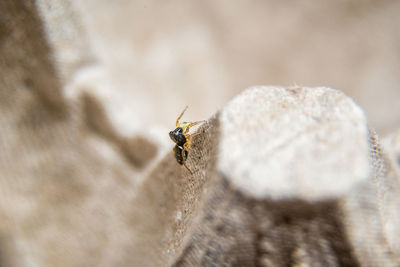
x,y
281,176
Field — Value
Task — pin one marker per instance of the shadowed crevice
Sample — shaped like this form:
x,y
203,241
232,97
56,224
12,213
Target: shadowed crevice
x,y
240,231
137,150
323,235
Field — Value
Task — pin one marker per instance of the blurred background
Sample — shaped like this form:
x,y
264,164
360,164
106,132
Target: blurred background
x,y
148,59
89,90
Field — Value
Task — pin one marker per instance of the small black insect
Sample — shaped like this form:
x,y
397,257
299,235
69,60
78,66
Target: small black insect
x,y
182,139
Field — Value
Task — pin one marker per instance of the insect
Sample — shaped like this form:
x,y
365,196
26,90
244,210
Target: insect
x,y
181,138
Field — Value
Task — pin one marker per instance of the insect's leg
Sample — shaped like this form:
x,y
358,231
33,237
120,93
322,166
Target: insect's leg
x,y
180,116
186,146
188,140
191,125
184,164
184,151
191,135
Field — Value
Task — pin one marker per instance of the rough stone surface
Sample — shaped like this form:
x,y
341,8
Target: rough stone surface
x,y
277,133
79,188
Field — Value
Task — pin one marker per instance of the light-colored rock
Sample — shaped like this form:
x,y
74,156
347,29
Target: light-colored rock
x,y
306,143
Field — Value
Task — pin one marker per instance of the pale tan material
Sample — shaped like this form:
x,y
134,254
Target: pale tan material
x,y
371,210
147,61
389,192
278,134
75,190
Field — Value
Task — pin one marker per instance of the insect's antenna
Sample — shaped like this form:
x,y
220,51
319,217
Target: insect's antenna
x,y
180,116
184,164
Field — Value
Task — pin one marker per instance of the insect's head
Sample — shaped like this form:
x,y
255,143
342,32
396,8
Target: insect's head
x,y
176,132
177,136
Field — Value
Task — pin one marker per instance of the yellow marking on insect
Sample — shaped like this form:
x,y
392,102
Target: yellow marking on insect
x,y
182,138
183,125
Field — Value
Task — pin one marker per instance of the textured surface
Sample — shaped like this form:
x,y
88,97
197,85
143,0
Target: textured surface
x,y
85,181
278,134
